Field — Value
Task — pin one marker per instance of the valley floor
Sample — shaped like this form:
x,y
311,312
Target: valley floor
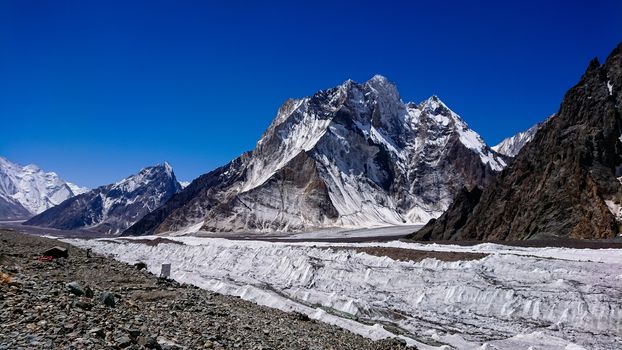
x,y
483,296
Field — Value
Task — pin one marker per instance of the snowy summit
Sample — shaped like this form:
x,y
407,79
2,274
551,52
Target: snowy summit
x,y
351,156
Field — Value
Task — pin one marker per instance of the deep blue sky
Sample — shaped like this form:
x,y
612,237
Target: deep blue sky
x,y
95,90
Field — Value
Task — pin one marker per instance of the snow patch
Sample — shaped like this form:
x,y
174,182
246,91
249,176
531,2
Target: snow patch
x,y
615,209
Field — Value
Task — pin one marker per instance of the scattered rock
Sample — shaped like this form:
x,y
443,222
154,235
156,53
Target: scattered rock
x,y
97,332
83,305
75,288
53,308
107,299
123,341
301,317
57,252
149,342
134,333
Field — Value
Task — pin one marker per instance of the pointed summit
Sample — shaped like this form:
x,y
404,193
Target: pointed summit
x,y
434,104
379,79
167,167
113,208
350,156
380,82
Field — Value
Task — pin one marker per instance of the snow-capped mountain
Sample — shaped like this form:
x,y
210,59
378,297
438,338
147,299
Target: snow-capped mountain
x,y
27,190
510,146
113,208
77,189
354,155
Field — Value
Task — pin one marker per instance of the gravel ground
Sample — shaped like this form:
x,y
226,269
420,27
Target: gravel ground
x,y
413,254
68,304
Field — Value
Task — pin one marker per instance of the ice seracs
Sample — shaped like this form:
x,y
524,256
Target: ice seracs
x,y
113,208
351,156
514,298
32,189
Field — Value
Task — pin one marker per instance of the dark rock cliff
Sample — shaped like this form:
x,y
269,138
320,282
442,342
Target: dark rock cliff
x,y
564,183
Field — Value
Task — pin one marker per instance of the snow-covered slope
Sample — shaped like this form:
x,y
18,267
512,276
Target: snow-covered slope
x,y
32,189
114,207
510,146
77,189
350,156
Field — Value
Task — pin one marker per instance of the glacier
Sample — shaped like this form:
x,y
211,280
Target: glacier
x,y
514,298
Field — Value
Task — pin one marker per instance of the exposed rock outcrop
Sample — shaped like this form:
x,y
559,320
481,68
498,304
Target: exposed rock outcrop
x,y
565,182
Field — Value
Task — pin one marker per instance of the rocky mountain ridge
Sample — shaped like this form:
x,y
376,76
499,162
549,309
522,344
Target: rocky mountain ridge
x,y
351,156
565,183
113,208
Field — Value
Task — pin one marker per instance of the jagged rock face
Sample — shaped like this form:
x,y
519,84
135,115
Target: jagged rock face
x,y
294,196
566,181
27,190
115,207
354,155
454,218
512,145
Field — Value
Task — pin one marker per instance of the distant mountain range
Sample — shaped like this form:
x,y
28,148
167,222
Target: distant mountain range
x,y
27,190
564,183
113,208
351,156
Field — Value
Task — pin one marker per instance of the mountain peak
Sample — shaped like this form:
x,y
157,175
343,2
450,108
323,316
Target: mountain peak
x,y
434,105
114,207
379,78
352,155
164,167
30,187
433,102
167,167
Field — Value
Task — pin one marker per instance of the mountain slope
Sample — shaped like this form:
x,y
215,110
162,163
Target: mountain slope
x,y
27,190
354,155
114,207
565,182
11,209
512,145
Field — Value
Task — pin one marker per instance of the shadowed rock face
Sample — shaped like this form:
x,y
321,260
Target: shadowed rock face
x,y
453,219
12,210
354,155
564,183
